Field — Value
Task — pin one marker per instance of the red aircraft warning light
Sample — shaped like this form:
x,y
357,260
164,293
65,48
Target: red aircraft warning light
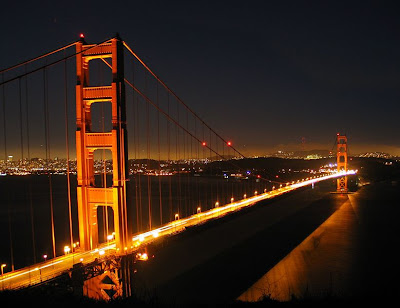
x,y
81,35
229,143
204,143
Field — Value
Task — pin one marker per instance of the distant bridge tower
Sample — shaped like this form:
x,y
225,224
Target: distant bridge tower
x,y
89,196
341,141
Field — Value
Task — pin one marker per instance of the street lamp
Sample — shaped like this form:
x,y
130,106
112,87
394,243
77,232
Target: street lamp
x,y
176,218
216,206
67,249
2,272
75,246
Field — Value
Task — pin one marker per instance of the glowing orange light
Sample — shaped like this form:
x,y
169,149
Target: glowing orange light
x,y
142,256
204,143
258,176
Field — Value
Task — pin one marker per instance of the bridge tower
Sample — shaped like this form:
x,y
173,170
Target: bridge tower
x,y
89,196
341,141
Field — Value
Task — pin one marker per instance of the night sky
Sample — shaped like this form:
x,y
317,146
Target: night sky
x,y
264,74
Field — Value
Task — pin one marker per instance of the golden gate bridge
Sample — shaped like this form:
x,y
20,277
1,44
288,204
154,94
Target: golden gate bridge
x,y
96,195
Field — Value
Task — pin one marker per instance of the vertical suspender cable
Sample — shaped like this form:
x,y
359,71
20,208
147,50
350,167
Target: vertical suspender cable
x,y
29,161
29,192
185,197
169,162
198,202
204,155
211,175
20,120
4,121
10,233
159,160
48,155
27,113
148,151
32,222
5,159
187,173
135,174
218,166
67,150
221,175
139,173
177,163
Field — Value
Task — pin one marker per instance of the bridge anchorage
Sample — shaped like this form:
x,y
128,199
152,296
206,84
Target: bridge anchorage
x,y
106,279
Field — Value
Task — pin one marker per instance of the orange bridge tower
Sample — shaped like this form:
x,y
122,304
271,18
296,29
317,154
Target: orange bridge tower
x,y
341,141
89,196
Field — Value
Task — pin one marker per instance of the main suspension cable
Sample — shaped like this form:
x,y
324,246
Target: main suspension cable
x,y
177,97
52,63
186,106
38,58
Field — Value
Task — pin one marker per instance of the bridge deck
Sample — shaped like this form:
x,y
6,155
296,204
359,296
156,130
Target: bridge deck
x,y
47,270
